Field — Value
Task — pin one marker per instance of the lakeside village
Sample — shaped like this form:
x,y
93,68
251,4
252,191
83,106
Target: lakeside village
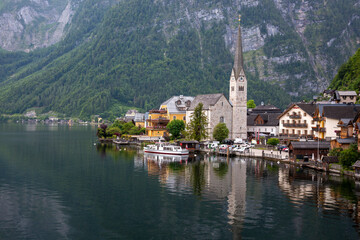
x,y
323,134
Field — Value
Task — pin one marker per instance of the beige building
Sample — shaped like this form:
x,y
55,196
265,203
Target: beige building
x,y
217,109
327,117
345,97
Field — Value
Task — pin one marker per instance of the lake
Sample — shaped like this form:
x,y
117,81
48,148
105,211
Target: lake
x,y
57,182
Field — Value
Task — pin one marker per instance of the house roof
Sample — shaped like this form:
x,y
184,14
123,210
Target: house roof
x,y
346,140
139,117
339,111
265,109
178,104
347,93
270,119
309,108
207,100
356,164
310,145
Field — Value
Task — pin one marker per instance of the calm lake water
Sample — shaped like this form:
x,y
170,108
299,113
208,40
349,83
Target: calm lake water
x,y
56,183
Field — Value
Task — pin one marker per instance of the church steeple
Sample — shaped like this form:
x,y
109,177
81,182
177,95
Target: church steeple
x,y
238,92
238,61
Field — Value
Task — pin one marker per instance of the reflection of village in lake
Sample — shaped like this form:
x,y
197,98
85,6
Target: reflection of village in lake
x,y
235,182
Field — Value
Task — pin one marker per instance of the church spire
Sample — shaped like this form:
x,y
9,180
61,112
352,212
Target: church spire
x,y
238,61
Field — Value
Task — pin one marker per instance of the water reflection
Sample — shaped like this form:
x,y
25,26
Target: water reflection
x,y
253,191
214,178
331,194
17,217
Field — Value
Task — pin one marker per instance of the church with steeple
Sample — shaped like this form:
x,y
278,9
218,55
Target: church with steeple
x,y
232,111
238,92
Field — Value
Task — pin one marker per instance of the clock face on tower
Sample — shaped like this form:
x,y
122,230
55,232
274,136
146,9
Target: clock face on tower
x,y
241,79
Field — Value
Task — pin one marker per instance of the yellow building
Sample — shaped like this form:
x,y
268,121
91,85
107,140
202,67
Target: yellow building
x,y
173,108
156,123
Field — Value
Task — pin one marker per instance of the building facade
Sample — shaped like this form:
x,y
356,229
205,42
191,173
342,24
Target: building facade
x,y
297,122
176,107
216,108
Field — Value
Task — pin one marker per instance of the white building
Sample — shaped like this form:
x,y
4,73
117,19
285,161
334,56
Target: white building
x,y
297,122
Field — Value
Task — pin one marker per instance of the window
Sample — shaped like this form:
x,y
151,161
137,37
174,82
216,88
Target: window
x,y
304,121
282,121
184,118
241,88
288,121
174,117
222,104
312,121
265,129
351,97
232,89
221,119
304,114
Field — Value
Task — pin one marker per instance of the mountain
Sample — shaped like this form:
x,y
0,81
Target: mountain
x,y
111,54
348,76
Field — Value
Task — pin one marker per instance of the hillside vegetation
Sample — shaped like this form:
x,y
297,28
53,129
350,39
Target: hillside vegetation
x,y
138,53
348,77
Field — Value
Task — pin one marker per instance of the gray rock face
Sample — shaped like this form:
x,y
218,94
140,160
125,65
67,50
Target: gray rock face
x,y
34,24
305,64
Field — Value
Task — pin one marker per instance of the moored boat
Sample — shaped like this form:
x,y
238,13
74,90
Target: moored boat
x,y
162,148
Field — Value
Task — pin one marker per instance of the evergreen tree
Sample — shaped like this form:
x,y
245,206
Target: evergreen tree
x,y
221,132
197,126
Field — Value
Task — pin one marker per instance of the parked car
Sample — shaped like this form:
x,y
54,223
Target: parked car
x,y
281,148
241,149
238,140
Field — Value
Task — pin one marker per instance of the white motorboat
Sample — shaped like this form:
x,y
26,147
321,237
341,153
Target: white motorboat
x,y
162,148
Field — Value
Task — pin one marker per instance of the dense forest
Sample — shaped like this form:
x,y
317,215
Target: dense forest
x,y
348,76
120,57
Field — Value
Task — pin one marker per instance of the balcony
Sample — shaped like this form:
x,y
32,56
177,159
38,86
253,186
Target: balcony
x,y
295,116
156,127
295,125
295,136
158,120
161,111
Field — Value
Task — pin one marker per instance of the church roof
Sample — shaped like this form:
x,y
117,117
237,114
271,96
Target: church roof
x,y
238,59
207,100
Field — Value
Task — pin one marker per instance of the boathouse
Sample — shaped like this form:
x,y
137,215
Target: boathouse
x,y
308,150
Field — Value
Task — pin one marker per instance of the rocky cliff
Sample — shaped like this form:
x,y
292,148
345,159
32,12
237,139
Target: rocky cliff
x,y
295,46
27,25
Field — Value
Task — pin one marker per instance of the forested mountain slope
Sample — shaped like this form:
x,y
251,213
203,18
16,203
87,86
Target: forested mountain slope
x,y
348,77
139,53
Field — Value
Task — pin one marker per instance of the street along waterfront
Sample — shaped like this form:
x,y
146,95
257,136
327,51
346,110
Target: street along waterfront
x,y
56,182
